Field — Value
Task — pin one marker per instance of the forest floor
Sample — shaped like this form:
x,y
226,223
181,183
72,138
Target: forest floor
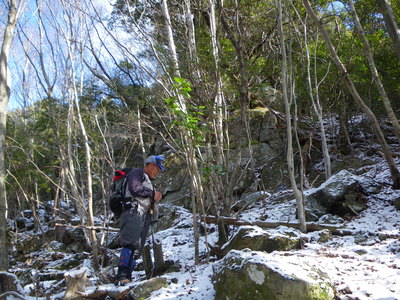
x,y
360,267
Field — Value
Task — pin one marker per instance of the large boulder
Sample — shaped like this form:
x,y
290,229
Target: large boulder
x,y
342,194
175,175
258,239
168,215
258,275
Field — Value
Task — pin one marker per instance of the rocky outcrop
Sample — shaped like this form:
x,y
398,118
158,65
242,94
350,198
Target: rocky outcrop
x,y
174,183
257,275
258,239
261,164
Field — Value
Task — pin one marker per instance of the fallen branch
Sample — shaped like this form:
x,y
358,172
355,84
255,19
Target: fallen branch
x,y
310,226
336,230
12,294
88,227
101,293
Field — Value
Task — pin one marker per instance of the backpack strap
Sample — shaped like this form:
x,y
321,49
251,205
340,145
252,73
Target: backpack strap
x,y
118,174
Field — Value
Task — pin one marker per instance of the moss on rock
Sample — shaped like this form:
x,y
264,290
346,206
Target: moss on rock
x,y
254,275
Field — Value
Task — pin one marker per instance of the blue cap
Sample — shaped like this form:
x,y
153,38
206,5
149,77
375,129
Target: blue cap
x,y
156,159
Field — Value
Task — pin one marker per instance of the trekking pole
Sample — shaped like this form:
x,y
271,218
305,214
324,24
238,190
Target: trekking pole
x,y
153,271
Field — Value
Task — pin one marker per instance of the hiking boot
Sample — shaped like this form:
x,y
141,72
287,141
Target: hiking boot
x,y
123,276
122,282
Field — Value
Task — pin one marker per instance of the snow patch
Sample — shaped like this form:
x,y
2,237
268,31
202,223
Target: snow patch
x,y
256,275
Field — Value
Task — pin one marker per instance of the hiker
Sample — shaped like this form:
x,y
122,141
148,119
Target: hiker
x,y
136,215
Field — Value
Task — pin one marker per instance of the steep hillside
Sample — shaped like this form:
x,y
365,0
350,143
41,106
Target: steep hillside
x,y
359,260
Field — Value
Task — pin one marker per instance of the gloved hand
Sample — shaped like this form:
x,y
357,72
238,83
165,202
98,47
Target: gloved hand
x,y
157,196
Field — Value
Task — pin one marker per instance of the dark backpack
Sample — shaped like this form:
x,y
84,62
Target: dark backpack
x,y
118,191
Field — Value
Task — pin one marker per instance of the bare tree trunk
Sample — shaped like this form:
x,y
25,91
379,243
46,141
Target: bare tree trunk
x,y
69,37
289,155
89,190
5,82
317,106
171,43
188,143
193,62
147,261
395,174
216,189
391,25
140,132
219,102
71,175
234,33
374,72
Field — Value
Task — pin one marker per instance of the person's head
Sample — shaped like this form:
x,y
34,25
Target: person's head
x,y
153,165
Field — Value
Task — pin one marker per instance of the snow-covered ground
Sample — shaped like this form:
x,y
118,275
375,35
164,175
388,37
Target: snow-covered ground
x,y
363,266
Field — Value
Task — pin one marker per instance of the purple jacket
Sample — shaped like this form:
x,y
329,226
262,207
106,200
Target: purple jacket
x,y
140,187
